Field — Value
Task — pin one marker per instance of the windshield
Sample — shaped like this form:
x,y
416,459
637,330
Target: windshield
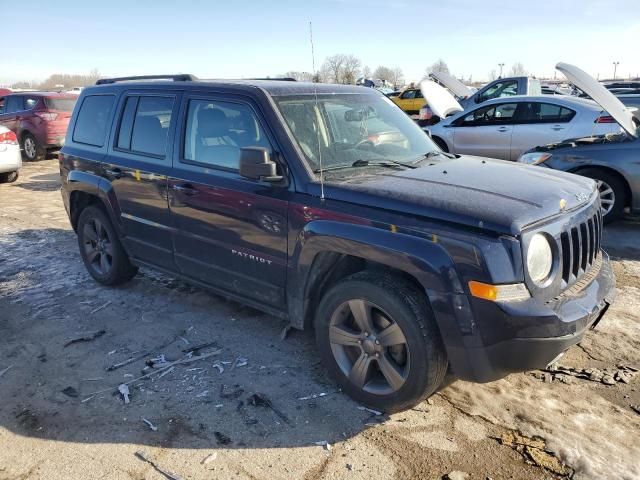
x,y
60,103
347,129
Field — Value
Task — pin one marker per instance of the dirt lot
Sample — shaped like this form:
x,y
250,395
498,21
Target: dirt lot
x,y
212,417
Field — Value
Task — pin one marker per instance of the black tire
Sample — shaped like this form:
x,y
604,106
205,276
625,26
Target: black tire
x,y
8,177
420,364
31,149
441,144
101,250
612,188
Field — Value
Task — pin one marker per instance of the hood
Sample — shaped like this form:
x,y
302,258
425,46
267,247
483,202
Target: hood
x,y
452,83
439,99
493,195
601,95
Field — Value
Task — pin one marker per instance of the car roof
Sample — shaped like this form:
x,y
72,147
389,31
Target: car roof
x,y
272,87
559,99
42,94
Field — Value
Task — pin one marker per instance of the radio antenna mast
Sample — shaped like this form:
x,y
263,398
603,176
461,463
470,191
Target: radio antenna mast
x,y
317,112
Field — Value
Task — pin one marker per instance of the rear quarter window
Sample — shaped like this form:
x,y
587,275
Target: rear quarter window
x,y
60,104
93,119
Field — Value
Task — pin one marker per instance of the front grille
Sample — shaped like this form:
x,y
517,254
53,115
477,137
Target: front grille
x,y
580,247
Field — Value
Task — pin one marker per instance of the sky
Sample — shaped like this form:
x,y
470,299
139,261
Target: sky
x,y
250,38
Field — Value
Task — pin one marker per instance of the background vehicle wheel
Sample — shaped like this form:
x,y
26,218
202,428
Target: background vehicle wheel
x,y
31,150
441,143
378,339
613,194
8,177
101,250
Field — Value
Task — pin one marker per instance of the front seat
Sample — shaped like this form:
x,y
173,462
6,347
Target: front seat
x,y
149,136
213,143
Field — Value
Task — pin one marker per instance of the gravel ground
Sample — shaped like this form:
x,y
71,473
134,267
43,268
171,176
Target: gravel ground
x,y
244,412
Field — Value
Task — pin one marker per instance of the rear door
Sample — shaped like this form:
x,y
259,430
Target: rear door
x,y
229,231
137,167
539,123
486,131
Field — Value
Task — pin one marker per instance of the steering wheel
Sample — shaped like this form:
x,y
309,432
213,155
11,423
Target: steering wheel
x,y
361,143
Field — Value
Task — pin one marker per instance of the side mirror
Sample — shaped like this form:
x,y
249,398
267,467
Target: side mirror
x,y
256,165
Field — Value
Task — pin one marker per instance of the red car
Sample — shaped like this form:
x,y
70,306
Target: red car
x,y
39,120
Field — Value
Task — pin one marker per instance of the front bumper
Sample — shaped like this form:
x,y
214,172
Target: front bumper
x,y
501,338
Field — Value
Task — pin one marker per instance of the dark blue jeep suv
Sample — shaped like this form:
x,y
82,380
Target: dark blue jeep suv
x,y
327,206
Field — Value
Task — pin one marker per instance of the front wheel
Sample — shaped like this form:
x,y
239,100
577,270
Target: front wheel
x,y
8,177
101,250
378,339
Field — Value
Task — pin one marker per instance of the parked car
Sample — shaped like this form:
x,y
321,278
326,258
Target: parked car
x,y
10,160
408,262
631,102
611,160
75,90
39,120
410,101
506,127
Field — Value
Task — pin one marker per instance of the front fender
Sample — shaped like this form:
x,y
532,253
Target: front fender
x,y
423,258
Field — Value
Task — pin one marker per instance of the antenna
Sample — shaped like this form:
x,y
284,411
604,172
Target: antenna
x,y
315,91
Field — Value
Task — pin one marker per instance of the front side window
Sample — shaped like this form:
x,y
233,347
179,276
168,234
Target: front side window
x,y
341,130
491,115
93,119
14,103
501,89
216,131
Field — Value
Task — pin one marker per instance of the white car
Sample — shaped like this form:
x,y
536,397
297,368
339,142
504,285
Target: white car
x,y
506,127
10,158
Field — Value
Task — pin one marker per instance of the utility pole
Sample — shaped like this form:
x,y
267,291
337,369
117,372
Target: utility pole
x,y
500,65
615,69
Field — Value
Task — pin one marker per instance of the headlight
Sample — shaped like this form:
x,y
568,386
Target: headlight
x,y
539,259
534,158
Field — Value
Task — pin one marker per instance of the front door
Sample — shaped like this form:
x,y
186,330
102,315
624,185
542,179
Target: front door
x,y
486,131
137,167
229,231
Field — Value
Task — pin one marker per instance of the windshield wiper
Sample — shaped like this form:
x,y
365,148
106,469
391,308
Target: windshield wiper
x,y
367,163
437,153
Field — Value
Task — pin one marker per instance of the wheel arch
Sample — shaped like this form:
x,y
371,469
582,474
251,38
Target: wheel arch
x,y
611,171
88,189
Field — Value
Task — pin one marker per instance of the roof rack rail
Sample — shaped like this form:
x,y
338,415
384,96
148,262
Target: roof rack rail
x,y
277,79
180,77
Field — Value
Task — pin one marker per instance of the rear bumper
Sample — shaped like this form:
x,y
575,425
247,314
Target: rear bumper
x,y
520,336
10,159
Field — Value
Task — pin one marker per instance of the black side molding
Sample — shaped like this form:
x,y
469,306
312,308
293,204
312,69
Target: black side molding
x,y
180,77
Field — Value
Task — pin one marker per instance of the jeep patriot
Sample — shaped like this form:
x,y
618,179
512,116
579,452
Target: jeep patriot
x,y
327,206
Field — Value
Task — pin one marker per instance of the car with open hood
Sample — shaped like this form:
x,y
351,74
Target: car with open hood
x,y
506,127
327,206
610,159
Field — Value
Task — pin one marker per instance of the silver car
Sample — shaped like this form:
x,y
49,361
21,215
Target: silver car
x,y
506,127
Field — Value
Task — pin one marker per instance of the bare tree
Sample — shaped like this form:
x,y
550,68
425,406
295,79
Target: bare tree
x,y
398,77
366,71
439,66
69,80
332,68
350,69
517,70
383,73
299,76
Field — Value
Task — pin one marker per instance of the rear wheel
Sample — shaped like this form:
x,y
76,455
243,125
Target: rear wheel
x,y
377,337
31,150
613,194
8,177
101,250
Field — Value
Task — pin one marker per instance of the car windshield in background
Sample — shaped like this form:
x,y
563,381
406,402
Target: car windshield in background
x,y
61,104
353,129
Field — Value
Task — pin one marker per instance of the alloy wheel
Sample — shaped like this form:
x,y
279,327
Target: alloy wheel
x,y
98,247
607,197
370,348
30,147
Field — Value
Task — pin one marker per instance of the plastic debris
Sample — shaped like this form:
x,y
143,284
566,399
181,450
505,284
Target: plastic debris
x,y
124,390
203,394
146,353
456,475
86,338
209,458
315,395
166,372
370,410
97,309
219,366
170,476
261,400
2,372
149,424
607,376
239,362
323,443
202,346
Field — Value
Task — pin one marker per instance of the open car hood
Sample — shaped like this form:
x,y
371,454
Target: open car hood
x,y
601,95
452,83
439,99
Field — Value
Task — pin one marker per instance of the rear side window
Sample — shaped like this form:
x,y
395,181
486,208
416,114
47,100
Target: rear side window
x,y
60,104
93,118
536,112
145,125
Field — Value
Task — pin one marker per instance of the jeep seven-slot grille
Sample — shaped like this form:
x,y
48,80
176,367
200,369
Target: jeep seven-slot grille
x,y
580,248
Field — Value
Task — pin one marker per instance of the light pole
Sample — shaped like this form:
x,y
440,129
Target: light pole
x,y
615,69
500,65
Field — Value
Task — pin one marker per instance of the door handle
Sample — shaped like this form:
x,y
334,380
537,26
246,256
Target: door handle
x,y
114,172
185,188
557,127
503,129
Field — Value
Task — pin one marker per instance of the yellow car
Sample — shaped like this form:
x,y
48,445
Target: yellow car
x,y
411,101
